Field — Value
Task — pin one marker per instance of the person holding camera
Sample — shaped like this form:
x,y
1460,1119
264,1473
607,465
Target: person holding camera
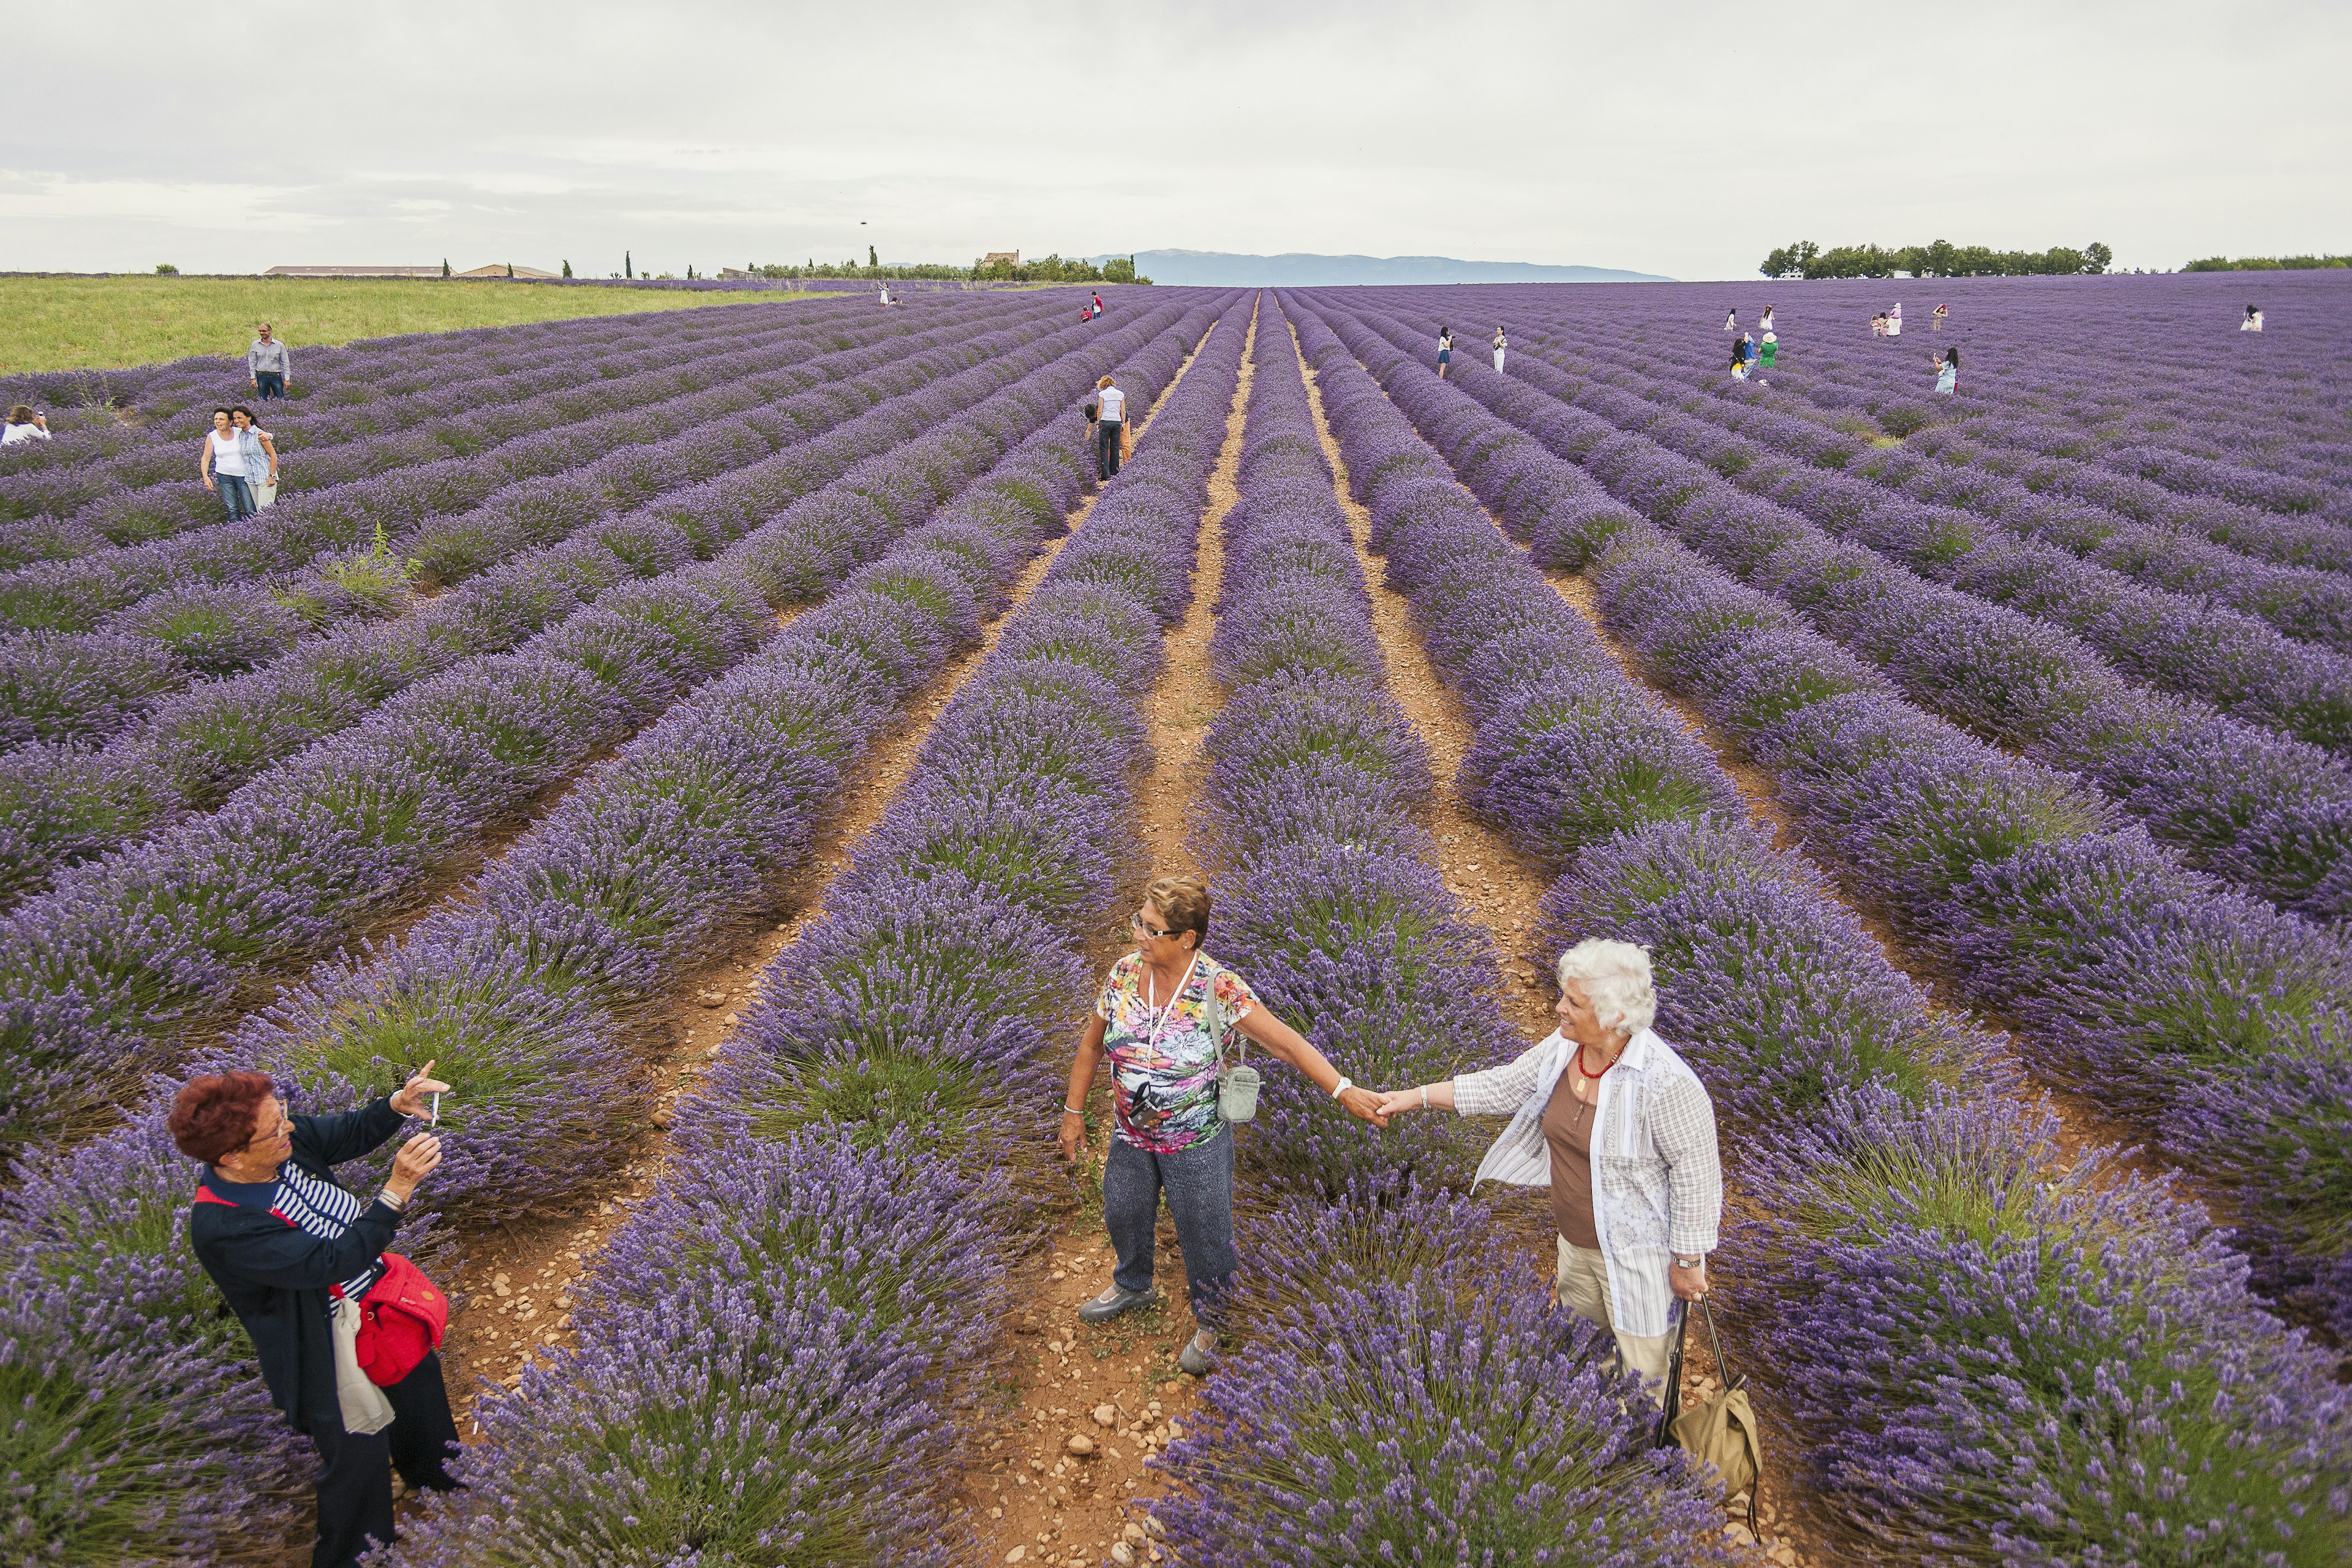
x,y
1160,1019
300,1260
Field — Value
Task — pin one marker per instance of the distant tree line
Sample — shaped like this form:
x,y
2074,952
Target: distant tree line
x,y
1941,260
2267,263
1047,269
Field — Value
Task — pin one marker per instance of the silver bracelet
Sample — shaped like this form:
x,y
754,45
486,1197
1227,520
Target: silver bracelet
x,y
393,1199
1069,1110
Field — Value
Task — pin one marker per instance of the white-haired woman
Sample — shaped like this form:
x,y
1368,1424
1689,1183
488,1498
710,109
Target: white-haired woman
x,y
1619,1128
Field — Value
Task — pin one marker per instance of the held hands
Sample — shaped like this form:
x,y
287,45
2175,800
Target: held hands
x,y
410,1098
1396,1101
1366,1106
415,1161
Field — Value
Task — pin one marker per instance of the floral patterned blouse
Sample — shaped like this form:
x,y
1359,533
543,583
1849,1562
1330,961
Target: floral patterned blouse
x,y
1163,1064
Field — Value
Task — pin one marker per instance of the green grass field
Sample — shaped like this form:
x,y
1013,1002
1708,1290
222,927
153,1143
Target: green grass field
x,y
101,324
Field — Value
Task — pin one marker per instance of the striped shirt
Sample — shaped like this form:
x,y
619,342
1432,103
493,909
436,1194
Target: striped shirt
x,y
1657,1175
311,1205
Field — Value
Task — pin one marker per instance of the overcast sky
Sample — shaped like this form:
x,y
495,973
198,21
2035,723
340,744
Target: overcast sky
x,y
1684,139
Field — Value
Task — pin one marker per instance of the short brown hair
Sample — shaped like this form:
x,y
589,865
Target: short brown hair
x,y
1183,902
20,415
215,1113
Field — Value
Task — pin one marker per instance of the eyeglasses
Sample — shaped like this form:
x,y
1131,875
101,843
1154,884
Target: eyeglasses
x,y
1137,921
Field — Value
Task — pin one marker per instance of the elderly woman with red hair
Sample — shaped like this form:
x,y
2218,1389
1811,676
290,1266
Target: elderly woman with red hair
x,y
295,1254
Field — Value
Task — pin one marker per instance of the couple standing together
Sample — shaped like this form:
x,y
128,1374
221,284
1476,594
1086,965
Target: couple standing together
x,y
1601,1112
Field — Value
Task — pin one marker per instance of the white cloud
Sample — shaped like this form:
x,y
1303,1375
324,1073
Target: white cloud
x,y
1685,136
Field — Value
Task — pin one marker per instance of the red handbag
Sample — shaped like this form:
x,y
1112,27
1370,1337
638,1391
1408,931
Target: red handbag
x,y
402,1320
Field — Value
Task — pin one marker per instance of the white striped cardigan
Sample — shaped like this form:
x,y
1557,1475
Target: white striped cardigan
x,y
1657,1175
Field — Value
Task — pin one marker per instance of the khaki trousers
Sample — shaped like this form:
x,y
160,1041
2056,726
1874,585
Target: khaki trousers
x,y
1584,1290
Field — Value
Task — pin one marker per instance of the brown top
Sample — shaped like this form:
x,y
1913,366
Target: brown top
x,y
1568,1130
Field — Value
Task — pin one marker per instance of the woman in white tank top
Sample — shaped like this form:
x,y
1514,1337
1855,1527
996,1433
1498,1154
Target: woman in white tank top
x,y
222,466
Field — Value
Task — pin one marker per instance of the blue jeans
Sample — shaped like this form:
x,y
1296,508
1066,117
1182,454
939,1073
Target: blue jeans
x,y
268,383
236,496
1199,1182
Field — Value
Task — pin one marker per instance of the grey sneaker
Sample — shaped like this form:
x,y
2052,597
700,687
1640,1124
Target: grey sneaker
x,y
1198,1356
1113,1301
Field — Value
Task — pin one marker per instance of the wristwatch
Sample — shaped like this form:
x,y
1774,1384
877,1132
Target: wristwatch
x,y
1699,1262
1343,1086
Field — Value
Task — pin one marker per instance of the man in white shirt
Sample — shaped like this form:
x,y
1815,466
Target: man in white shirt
x,y
1110,426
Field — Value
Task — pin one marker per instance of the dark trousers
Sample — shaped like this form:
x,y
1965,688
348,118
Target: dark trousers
x,y
1199,1182
267,383
355,1481
1109,434
237,495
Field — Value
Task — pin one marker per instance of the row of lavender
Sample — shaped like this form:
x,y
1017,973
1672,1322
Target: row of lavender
x,y
2243,422
2205,1014
2272,813
1988,1347
2239,664
527,994
366,382
1403,1392
777,1353
1990,422
2060,367
127,625
391,418
1971,490
62,804
133,957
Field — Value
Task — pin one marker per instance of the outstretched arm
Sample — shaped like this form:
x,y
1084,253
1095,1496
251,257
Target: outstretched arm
x,y
1286,1043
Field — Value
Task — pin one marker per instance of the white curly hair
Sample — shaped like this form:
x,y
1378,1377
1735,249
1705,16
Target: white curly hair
x,y
1616,977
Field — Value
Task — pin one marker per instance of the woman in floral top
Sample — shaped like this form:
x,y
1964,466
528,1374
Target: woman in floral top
x,y
1152,1022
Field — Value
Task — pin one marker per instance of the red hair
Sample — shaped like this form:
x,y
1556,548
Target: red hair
x,y
215,1113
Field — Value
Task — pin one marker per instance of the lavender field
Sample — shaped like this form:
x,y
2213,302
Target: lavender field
x,y
1977,767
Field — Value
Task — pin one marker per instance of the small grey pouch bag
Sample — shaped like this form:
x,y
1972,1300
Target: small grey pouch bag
x,y
1236,1084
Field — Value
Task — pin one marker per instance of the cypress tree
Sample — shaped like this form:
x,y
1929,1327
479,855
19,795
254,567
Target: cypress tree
x,y
567,269
628,264
445,267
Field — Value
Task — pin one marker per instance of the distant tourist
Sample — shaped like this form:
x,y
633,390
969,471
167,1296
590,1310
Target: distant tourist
x,y
1895,320
2254,322
1878,325
884,299
1935,323
1110,426
1445,350
1764,326
1739,361
220,465
260,455
1948,371
1770,343
1501,342
23,425
1731,321
1098,304
268,365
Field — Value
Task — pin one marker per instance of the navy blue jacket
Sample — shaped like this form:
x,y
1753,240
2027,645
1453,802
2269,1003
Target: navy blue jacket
x,y
277,1276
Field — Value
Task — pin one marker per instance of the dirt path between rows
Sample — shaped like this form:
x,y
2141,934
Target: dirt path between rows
x,y
1115,1386
515,1286
1500,887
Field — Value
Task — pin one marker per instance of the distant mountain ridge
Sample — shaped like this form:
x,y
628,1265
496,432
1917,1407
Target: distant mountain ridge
x,y
1296,269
